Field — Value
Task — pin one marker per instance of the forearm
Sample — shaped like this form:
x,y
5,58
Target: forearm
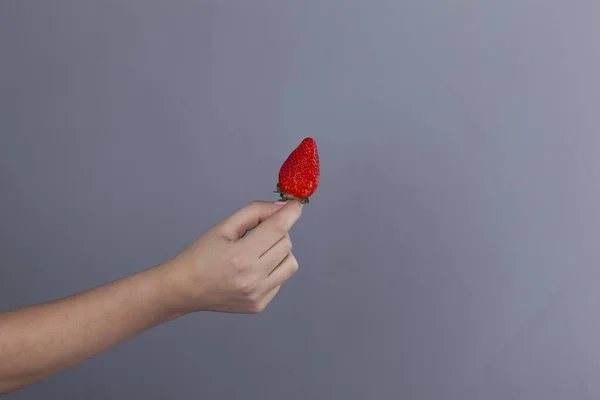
x,y
43,339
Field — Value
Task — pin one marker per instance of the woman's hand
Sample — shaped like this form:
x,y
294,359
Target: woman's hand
x,y
239,265
227,269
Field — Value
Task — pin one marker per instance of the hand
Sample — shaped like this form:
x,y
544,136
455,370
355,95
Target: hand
x,y
238,266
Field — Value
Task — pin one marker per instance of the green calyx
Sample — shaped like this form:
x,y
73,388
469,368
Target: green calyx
x,y
285,196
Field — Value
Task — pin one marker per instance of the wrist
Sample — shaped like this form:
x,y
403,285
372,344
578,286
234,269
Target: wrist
x,y
167,290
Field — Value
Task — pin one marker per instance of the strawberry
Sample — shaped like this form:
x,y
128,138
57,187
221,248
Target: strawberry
x,y
299,174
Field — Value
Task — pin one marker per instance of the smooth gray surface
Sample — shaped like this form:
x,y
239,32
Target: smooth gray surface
x,y
451,251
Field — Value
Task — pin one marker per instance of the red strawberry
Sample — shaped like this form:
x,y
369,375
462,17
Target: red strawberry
x,y
299,174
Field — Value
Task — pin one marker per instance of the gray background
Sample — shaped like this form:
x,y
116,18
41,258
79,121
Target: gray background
x,y
450,252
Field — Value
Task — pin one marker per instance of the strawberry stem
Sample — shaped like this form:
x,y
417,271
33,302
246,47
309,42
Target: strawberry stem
x,y
285,197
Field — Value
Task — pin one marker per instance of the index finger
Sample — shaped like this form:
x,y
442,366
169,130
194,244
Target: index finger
x,y
247,218
273,229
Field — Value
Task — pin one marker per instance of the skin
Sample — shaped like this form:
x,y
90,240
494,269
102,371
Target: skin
x,y
238,266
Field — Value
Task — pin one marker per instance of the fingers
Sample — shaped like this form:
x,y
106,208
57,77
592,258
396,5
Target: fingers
x,y
273,228
283,272
246,218
276,254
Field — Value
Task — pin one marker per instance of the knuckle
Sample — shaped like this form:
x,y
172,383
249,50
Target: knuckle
x,y
254,294
256,308
287,242
245,287
238,262
292,265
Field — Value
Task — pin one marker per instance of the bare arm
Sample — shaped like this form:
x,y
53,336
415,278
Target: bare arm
x,y
40,340
222,271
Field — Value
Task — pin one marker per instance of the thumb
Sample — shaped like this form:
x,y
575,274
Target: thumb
x,y
247,218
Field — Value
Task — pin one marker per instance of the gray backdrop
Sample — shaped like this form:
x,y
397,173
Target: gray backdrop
x,y
450,252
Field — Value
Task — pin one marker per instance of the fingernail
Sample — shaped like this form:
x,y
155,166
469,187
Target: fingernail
x,y
280,203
